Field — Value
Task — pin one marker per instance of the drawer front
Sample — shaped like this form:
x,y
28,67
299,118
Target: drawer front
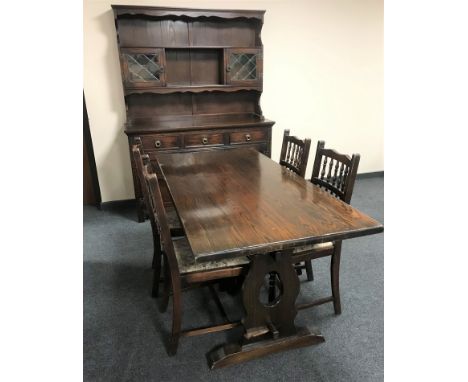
x,y
248,136
200,140
160,142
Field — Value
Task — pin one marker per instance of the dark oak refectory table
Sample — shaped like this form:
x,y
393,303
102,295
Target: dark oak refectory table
x,y
239,202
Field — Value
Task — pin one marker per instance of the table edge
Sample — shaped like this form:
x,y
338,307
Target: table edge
x,y
283,245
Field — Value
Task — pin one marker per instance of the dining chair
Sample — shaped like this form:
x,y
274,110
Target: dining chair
x,y
175,226
181,270
294,153
336,174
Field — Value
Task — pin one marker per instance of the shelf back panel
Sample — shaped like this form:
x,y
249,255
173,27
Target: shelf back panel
x,y
225,33
178,67
137,32
194,67
148,105
219,103
206,66
142,32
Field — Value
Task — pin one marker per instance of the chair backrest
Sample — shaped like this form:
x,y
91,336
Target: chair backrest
x,y
159,215
294,153
142,160
156,211
335,172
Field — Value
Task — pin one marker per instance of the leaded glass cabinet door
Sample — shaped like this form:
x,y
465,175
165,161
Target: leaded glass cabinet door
x,y
143,67
244,66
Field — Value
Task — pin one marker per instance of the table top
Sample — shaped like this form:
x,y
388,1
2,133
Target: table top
x,y
240,202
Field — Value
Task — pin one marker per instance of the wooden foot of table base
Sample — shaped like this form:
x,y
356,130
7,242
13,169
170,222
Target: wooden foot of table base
x,y
231,354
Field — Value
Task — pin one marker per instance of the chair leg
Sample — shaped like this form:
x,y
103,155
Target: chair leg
x,y
176,320
156,274
309,270
153,264
156,279
335,277
167,288
298,269
173,344
156,247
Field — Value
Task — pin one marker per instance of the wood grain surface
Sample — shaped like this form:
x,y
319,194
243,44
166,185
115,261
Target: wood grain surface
x,y
240,202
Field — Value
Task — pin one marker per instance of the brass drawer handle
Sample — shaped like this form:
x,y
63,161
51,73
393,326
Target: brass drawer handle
x,y
205,140
247,137
157,143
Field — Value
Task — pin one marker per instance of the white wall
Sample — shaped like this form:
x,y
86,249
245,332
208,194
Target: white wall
x,y
323,79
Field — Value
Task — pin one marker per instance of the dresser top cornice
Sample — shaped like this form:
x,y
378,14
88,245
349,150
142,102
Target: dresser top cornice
x,y
120,10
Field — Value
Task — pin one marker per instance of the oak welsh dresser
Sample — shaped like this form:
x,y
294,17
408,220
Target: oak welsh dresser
x,y
192,80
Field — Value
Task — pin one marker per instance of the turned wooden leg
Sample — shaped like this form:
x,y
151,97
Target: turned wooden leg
x,y
335,277
309,271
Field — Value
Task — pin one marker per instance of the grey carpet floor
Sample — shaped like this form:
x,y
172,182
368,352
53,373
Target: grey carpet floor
x,y
124,332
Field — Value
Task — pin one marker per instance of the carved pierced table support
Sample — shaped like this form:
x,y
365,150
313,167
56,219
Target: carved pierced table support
x,y
269,327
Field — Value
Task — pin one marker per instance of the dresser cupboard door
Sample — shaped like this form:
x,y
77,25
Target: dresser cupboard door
x,y
143,67
244,66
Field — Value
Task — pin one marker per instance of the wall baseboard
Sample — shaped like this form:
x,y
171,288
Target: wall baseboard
x,y
116,204
366,175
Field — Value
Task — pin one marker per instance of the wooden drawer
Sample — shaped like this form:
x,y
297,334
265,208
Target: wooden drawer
x,y
248,136
160,142
200,140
